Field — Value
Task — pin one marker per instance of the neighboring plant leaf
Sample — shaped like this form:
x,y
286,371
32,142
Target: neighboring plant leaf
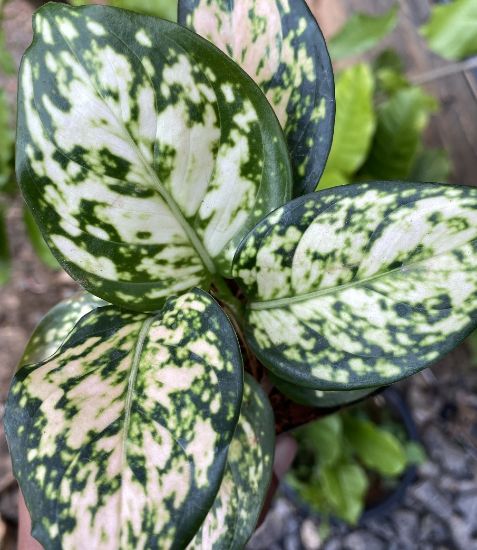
x,y
450,32
7,65
361,33
144,153
377,448
283,50
236,510
345,486
5,259
432,165
37,241
361,285
389,73
318,398
324,437
398,138
7,138
415,453
354,126
55,326
120,439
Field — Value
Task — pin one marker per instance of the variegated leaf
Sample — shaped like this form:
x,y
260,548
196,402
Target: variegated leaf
x,y
55,326
236,510
362,285
318,398
144,152
120,439
279,44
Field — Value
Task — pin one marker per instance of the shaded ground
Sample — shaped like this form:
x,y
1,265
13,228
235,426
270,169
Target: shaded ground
x,y
441,508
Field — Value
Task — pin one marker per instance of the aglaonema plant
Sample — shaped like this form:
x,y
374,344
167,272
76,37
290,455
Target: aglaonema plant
x,y
162,179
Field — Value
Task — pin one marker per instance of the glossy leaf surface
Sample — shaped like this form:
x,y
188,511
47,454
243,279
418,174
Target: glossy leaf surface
x,y
362,285
120,439
55,326
144,153
236,510
279,44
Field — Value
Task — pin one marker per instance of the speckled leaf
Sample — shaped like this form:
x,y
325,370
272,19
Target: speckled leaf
x,y
55,326
318,398
120,439
236,510
279,44
144,153
361,285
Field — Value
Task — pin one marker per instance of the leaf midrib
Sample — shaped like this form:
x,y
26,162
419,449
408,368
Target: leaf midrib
x,y
158,186
284,302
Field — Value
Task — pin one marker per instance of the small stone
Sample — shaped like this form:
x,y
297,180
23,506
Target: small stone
x,y
432,499
406,525
310,536
362,540
292,542
466,505
450,456
428,469
462,533
381,527
433,530
333,544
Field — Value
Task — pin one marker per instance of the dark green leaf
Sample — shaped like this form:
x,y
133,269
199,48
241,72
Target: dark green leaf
x,y
279,44
236,510
354,126
451,30
433,165
120,439
144,153
361,285
361,33
398,138
377,448
37,241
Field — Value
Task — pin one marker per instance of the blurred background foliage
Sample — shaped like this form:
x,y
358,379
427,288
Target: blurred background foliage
x,y
343,459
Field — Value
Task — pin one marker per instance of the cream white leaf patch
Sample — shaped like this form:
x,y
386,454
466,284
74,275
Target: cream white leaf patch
x,y
144,153
280,45
121,437
362,285
238,504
